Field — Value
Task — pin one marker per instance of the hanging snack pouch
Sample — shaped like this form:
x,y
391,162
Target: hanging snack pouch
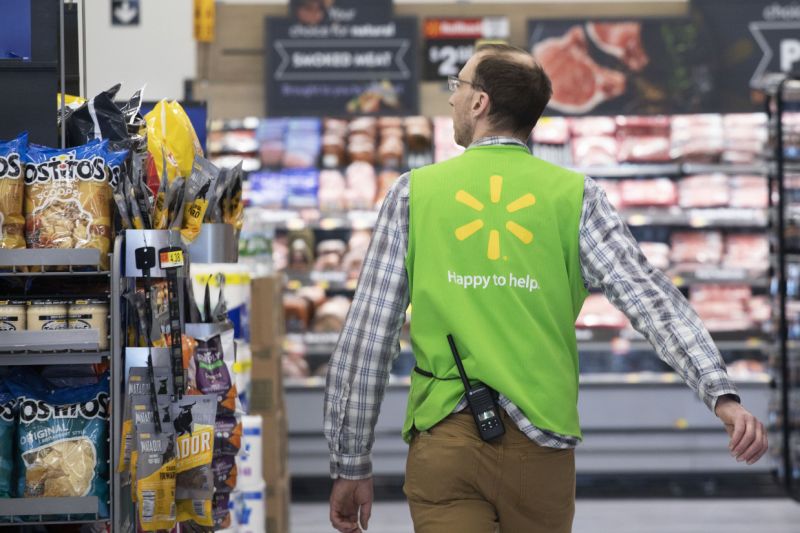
x,y
139,384
193,419
7,427
155,487
233,206
211,370
63,442
142,410
170,133
175,203
68,197
225,472
12,192
161,211
227,436
200,185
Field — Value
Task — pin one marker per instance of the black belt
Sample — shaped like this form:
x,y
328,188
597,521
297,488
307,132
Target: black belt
x,y
427,374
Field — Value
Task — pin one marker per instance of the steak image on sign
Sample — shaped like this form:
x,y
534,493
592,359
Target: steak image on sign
x,y
700,63
579,84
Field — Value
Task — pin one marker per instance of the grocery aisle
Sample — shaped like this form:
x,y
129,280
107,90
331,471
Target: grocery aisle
x,y
610,516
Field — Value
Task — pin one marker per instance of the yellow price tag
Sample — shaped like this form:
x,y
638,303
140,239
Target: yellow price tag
x,y
171,258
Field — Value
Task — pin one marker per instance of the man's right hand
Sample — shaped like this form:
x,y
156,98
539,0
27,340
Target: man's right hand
x,y
748,436
351,504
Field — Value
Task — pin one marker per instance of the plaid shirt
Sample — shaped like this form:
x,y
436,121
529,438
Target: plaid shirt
x,y
610,260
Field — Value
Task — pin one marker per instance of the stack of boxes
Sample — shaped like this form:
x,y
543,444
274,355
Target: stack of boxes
x,y
266,340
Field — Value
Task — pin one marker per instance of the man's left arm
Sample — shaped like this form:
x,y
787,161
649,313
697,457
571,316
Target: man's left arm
x,y
612,260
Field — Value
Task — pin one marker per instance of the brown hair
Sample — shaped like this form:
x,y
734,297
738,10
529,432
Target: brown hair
x,y
518,90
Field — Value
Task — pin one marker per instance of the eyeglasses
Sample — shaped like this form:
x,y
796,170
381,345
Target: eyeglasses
x,y
453,82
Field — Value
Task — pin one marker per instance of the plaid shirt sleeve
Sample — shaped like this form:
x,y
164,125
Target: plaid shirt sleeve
x,y
612,260
359,367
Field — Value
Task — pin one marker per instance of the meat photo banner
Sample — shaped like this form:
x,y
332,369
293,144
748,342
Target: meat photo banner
x,y
341,69
710,61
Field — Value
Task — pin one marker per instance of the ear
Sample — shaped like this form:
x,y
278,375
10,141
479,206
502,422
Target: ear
x,y
480,104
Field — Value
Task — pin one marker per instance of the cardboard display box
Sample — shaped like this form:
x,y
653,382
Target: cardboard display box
x,y
267,323
275,456
279,495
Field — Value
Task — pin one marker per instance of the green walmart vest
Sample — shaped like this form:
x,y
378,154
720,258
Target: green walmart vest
x,y
493,260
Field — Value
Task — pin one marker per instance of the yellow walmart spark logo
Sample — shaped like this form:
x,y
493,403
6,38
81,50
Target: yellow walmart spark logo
x,y
495,191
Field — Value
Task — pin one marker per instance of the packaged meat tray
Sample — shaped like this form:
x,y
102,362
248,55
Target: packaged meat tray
x,y
598,312
695,248
551,130
594,151
750,251
657,254
593,126
644,149
711,190
659,192
722,307
641,126
749,192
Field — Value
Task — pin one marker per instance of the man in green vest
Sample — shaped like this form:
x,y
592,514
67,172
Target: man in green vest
x,y
497,248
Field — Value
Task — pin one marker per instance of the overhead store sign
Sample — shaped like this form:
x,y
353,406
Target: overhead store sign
x,y
341,69
707,62
125,12
315,12
450,42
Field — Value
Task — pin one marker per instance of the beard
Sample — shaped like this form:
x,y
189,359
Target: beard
x,y
463,132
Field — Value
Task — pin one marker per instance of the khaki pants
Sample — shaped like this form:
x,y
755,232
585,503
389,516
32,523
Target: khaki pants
x,y
455,482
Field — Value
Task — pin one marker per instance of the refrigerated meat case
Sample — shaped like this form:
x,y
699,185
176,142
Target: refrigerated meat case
x,y
783,106
638,416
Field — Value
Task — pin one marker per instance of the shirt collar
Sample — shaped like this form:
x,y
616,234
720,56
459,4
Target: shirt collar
x,y
491,141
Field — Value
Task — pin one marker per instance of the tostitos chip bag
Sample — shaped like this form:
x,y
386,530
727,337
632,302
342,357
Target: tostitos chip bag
x,y
62,442
12,192
68,195
7,426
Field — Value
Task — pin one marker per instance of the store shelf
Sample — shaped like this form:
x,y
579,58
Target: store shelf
x,y
332,281
630,171
297,220
749,338
721,276
697,168
312,344
41,508
70,258
696,218
54,341
55,358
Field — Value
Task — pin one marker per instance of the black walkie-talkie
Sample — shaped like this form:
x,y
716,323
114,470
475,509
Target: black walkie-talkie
x,y
481,402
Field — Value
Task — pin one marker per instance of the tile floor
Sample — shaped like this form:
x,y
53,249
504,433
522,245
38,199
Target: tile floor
x,y
608,516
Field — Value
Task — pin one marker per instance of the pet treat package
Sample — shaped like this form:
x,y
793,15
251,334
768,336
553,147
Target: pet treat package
x,y
193,418
155,483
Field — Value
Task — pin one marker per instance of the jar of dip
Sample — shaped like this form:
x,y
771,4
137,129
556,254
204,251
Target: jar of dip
x,y
90,314
13,315
46,315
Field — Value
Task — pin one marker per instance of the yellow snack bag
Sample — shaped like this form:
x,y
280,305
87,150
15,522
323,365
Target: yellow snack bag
x,y
170,134
204,176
